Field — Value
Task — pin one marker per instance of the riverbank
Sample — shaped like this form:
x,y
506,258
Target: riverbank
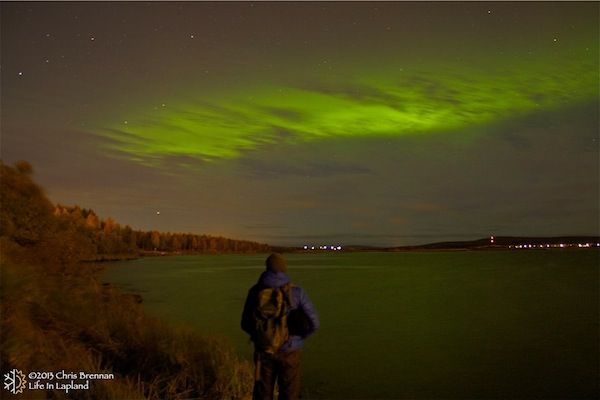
x,y
57,315
66,319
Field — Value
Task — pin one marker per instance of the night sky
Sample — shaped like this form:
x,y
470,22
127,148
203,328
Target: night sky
x,y
307,123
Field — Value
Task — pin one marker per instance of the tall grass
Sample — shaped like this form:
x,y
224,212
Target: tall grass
x,y
56,315
66,319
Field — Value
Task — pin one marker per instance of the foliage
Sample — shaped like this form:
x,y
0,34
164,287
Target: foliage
x,y
68,320
29,231
56,314
31,227
111,240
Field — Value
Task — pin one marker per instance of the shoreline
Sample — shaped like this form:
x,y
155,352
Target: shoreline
x,y
151,254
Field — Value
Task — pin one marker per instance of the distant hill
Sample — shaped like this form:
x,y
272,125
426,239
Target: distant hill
x,y
507,242
499,242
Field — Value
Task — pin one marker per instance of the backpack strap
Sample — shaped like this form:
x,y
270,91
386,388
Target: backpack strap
x,y
287,290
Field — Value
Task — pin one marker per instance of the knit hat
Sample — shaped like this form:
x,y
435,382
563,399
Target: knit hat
x,y
276,263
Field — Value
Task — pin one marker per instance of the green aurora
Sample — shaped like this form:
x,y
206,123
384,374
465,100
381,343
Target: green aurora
x,y
377,123
375,102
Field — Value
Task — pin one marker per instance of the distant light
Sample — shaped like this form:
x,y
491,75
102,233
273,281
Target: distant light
x,y
158,213
340,247
305,247
312,248
20,73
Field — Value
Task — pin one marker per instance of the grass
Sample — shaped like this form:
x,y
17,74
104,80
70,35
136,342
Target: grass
x,y
56,315
64,318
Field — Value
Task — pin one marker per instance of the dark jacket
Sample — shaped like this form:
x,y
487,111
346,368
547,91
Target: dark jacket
x,y
299,300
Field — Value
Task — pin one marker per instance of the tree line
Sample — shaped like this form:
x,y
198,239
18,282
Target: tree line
x,y
49,303
70,233
109,237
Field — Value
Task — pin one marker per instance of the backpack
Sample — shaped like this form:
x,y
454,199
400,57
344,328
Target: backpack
x,y
299,324
270,318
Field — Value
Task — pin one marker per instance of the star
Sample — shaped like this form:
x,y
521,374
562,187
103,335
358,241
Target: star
x,y
20,73
191,36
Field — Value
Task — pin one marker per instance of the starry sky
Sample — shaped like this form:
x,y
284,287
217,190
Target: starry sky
x,y
297,123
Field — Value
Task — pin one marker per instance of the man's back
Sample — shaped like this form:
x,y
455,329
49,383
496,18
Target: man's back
x,y
281,365
299,300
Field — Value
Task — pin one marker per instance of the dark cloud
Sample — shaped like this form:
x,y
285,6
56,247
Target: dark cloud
x,y
359,238
263,227
517,141
268,169
206,111
177,163
433,89
286,113
357,92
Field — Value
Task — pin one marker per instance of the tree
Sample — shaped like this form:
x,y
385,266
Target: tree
x,y
155,239
92,221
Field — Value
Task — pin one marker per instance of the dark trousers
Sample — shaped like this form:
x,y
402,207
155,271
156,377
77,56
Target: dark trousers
x,y
283,368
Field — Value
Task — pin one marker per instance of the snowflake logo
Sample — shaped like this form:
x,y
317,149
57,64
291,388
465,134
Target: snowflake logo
x,y
14,381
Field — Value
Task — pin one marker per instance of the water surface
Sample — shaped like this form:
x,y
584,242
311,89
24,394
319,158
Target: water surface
x,y
408,325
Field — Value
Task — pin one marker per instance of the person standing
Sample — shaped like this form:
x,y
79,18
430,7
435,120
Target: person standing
x,y
278,316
